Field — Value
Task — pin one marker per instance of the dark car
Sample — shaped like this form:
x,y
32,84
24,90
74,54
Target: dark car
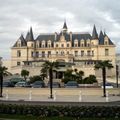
x,y
54,85
71,84
8,84
38,84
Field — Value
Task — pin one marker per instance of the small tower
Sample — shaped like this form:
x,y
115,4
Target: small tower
x,y
30,38
64,29
101,38
94,40
94,33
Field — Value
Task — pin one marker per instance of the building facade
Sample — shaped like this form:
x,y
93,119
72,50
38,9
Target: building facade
x,y
73,50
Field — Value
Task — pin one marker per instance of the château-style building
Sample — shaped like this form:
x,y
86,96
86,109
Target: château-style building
x,y
73,50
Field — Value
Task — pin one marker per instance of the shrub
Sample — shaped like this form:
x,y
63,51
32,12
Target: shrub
x,y
69,111
90,80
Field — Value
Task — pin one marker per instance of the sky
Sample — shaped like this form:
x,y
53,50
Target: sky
x,y
47,16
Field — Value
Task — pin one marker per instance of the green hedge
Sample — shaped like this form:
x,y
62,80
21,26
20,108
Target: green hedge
x,y
63,111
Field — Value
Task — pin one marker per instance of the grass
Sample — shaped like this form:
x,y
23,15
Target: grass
x,y
23,117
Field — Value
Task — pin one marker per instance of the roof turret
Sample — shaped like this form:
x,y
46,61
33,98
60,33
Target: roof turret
x,y
94,33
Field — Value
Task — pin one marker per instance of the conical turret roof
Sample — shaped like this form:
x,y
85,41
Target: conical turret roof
x,y
29,36
94,33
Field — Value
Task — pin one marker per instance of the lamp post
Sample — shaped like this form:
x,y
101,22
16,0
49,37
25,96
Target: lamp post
x,y
117,74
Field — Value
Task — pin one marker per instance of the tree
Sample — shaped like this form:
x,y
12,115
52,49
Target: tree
x,y
90,79
68,76
35,78
48,67
3,71
73,75
80,75
103,65
43,73
24,73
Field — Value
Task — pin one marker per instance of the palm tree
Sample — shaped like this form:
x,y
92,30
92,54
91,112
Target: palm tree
x,y
79,75
49,67
3,71
24,73
103,65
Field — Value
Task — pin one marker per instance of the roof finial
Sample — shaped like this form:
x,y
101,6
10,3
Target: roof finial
x,y
65,25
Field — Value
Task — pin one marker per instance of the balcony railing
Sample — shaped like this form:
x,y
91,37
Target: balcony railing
x,y
59,56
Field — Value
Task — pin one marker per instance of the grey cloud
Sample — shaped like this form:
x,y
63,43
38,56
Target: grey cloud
x,y
16,16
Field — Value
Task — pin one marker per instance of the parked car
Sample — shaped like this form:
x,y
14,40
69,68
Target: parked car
x,y
108,85
22,84
38,84
16,80
8,84
54,85
71,84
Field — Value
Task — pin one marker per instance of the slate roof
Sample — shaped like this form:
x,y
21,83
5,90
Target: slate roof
x,y
101,39
56,37
46,37
29,36
94,33
23,41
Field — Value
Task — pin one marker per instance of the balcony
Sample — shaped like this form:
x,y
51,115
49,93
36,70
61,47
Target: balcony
x,y
83,57
54,56
64,56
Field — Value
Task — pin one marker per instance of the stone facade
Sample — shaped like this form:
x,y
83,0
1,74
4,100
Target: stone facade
x,y
75,50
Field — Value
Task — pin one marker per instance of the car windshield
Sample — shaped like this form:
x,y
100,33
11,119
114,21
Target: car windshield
x,y
38,83
72,83
20,83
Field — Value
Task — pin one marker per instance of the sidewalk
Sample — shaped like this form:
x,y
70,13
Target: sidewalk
x,y
61,95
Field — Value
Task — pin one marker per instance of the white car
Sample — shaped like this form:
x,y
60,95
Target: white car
x,y
20,84
108,85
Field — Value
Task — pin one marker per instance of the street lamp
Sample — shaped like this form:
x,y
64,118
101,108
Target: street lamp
x,y
117,74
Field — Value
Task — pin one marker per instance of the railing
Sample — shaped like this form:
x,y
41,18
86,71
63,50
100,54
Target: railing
x,y
76,57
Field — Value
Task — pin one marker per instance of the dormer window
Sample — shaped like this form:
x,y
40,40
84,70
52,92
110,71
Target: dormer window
x,y
43,46
62,45
19,43
88,44
82,45
76,45
67,45
49,45
106,42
